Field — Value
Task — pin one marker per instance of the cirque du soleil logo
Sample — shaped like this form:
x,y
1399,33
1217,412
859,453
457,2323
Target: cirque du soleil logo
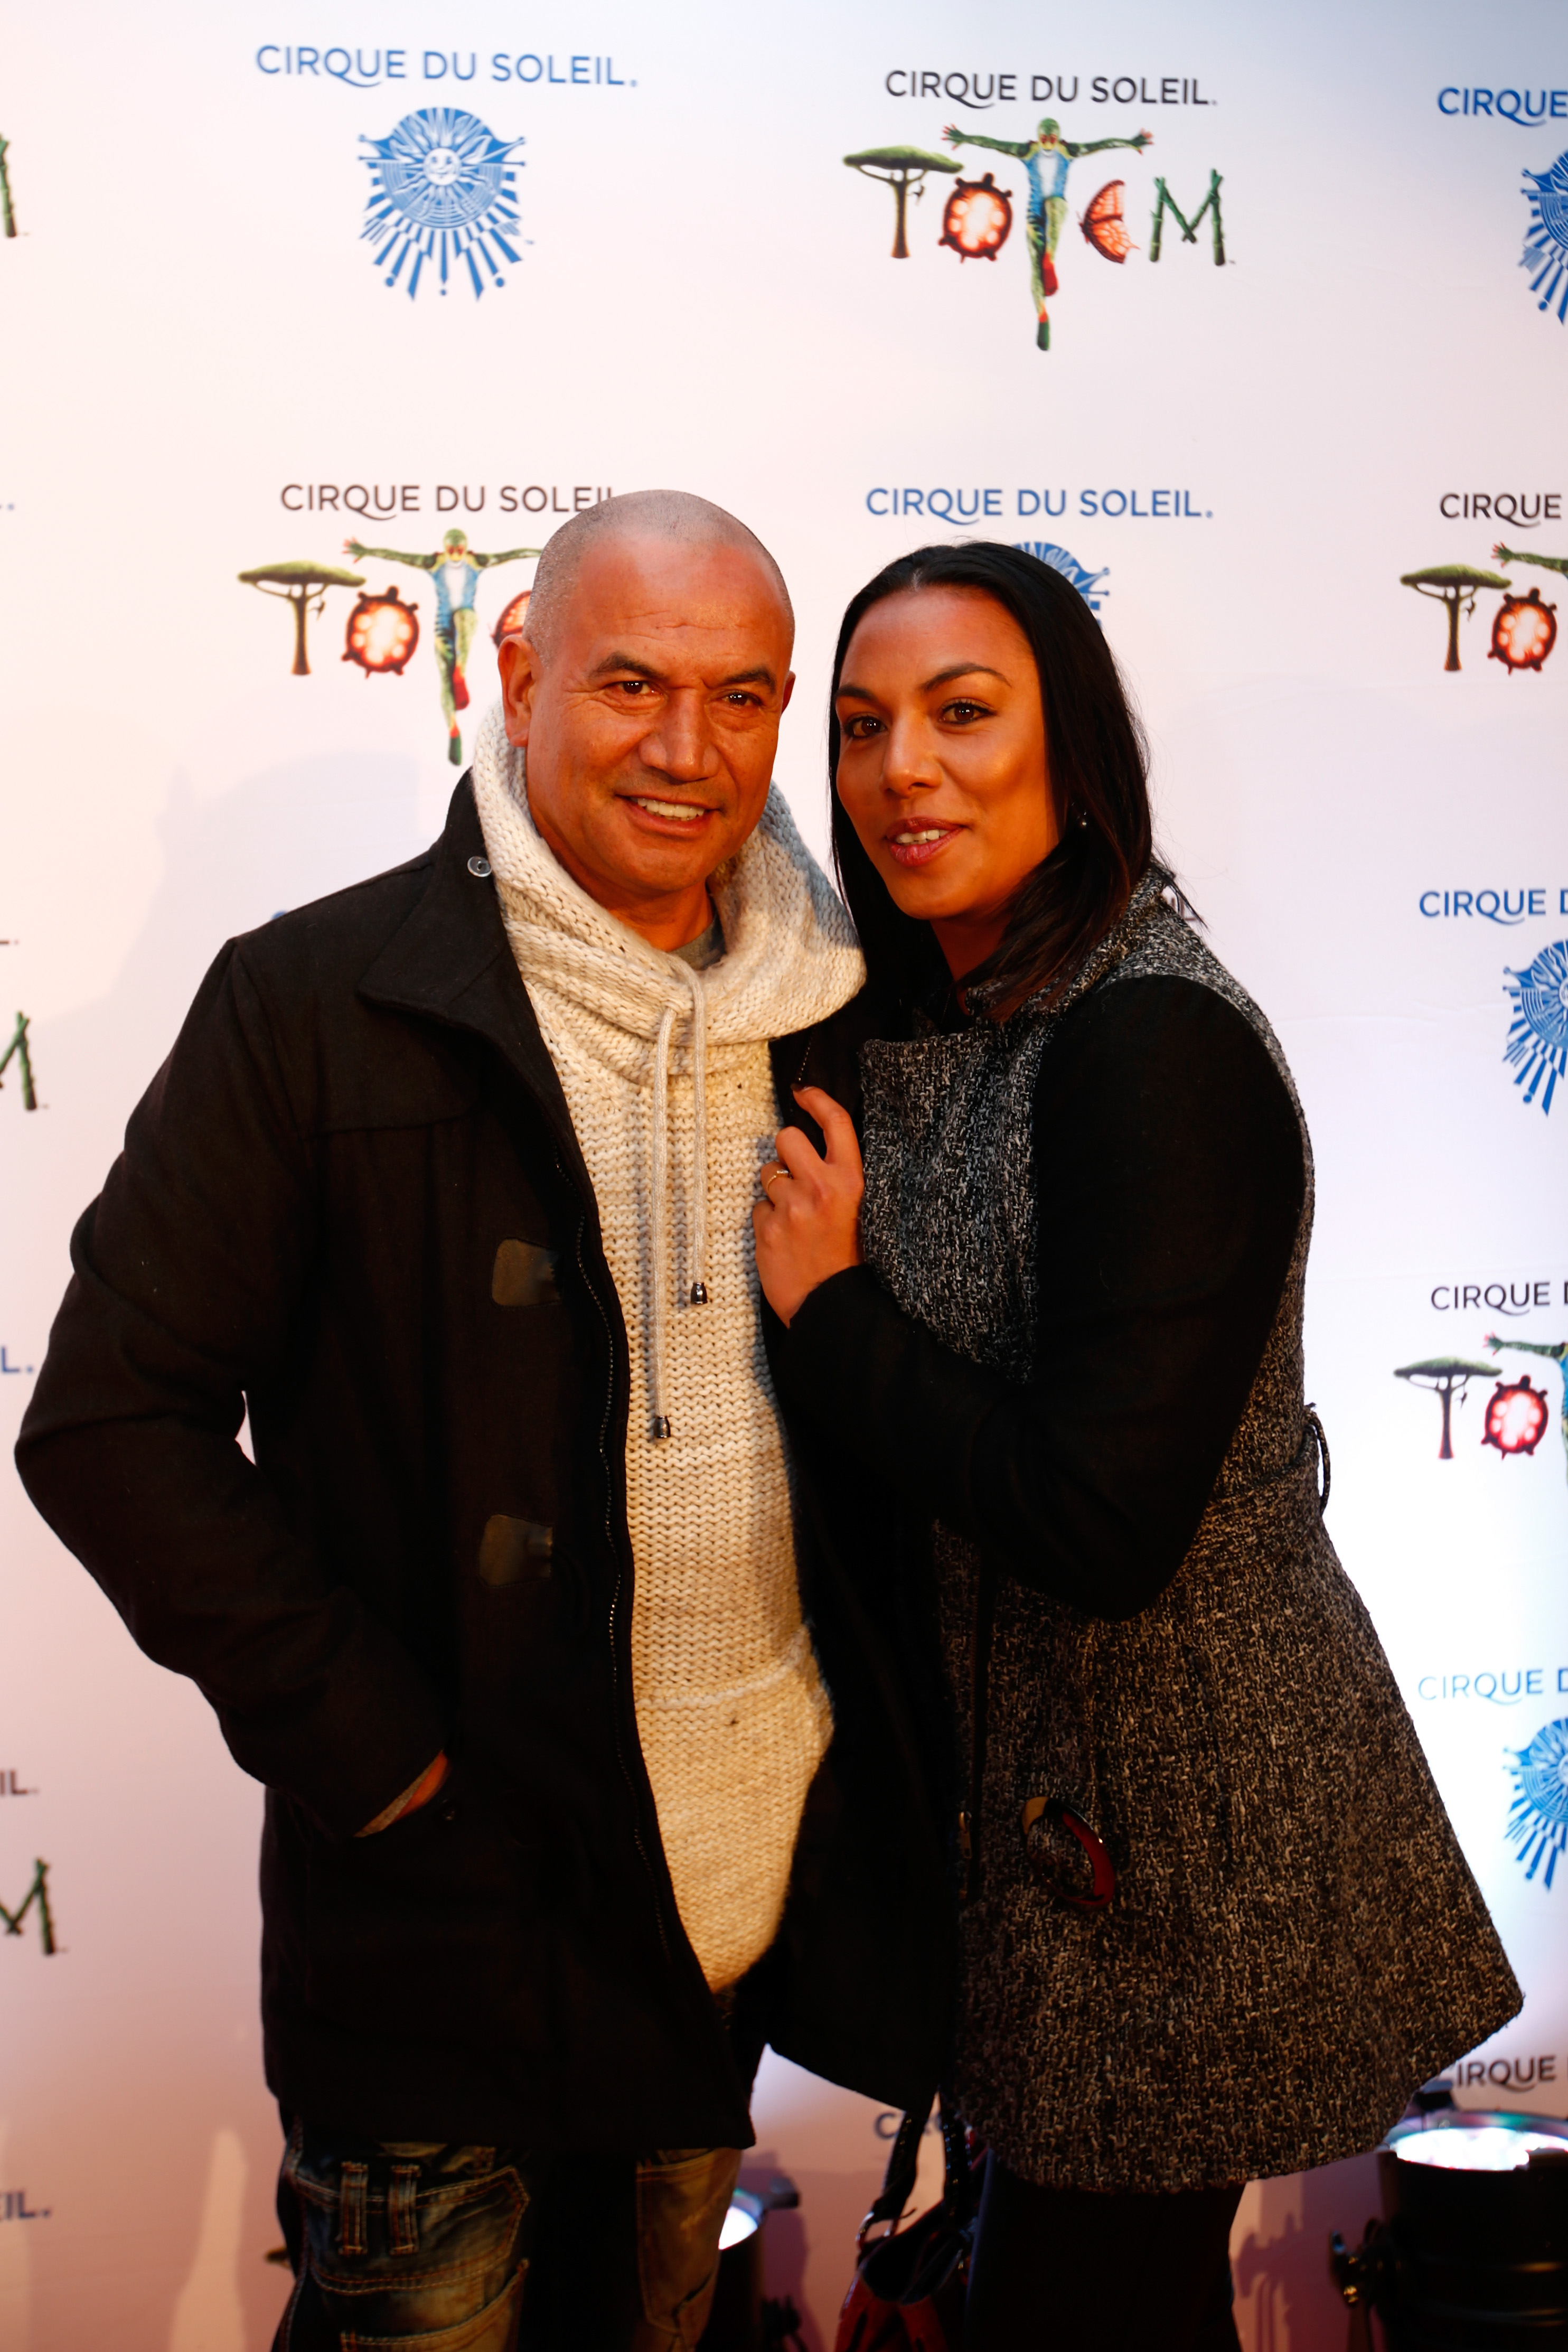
x,y
443,198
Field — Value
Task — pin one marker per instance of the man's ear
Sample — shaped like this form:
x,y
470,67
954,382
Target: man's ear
x,y
518,663
789,690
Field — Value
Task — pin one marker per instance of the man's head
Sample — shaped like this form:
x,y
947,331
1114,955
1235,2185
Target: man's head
x,y
456,543
647,689
1047,131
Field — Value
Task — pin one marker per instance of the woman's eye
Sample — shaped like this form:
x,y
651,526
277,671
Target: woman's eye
x,y
964,713
860,727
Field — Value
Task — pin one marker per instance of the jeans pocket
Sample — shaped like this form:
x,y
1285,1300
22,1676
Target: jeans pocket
x,y
493,2329
681,2206
406,2248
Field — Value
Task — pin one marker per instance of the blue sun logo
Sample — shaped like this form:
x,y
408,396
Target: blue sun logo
x,y
1546,240
443,191
1086,583
1538,1817
1538,1036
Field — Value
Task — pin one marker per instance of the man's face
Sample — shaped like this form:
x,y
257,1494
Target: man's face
x,y
651,718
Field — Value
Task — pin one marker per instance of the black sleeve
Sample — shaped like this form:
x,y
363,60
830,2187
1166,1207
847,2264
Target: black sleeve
x,y
189,1277
1171,1177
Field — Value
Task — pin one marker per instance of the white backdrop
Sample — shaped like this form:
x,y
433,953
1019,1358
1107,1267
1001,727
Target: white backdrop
x,y
199,344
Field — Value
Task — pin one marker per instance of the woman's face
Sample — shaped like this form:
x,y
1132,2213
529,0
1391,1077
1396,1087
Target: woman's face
x,y
944,770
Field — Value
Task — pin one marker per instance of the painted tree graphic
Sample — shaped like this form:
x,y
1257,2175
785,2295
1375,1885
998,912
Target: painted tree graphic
x,y
1442,1375
305,586
1456,585
901,169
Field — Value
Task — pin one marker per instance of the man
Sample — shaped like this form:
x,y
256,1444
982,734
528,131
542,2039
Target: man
x,y
1047,214
449,1178
456,569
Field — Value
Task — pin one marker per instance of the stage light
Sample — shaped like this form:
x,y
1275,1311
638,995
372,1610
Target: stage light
x,y
743,2319
1523,632
1470,2250
1516,1417
382,633
977,219
512,619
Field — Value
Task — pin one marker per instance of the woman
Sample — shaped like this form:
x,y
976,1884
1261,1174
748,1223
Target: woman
x,y
1214,1922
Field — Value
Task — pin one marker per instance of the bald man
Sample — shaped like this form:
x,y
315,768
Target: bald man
x,y
583,1778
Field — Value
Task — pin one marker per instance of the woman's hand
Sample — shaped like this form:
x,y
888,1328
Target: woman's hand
x,y
807,1223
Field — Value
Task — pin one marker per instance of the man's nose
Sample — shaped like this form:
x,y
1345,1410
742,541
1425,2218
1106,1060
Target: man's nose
x,y
682,746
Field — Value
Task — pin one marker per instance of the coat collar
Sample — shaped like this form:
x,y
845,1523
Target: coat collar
x,y
449,960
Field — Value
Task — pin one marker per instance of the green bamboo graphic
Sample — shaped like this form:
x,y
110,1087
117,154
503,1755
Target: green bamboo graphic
x,y
37,1893
8,210
19,1047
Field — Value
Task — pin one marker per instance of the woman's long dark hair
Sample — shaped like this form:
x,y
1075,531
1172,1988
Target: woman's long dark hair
x,y
1098,766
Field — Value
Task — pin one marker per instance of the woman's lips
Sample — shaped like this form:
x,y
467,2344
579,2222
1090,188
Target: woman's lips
x,y
917,845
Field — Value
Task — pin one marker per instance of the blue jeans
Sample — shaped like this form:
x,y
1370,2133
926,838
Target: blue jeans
x,y
445,2249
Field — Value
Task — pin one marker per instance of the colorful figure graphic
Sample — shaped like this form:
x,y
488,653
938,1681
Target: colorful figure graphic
x,y
304,586
1557,1355
442,190
1538,1817
900,169
456,569
1542,562
1538,1035
1442,1375
1455,585
19,1047
1546,240
1048,158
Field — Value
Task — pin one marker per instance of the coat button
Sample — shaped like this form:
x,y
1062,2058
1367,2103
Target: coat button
x,y
480,868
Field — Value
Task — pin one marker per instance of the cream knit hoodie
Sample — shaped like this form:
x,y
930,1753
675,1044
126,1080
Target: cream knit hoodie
x,y
667,1075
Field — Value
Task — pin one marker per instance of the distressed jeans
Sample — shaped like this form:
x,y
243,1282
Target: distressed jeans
x,y
446,2249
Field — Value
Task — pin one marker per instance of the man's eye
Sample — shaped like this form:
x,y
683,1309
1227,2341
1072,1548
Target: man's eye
x,y
631,686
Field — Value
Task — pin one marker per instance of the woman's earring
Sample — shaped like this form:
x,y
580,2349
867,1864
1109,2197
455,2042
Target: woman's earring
x,y
1082,819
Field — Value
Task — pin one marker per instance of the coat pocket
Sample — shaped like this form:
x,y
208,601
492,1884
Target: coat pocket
x,y
429,1914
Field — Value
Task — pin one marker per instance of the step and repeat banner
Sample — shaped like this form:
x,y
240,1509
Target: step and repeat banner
x,y
319,316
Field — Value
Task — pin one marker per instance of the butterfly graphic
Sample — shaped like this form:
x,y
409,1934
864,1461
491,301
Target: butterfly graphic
x,y
1103,224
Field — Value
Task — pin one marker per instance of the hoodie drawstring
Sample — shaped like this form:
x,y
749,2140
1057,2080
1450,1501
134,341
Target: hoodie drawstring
x,y
662,1272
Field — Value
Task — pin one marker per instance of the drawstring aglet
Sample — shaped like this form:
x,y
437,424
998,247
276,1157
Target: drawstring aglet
x,y
699,1293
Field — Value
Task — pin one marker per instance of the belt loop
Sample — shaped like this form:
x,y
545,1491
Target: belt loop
x,y
353,2200
1316,1425
402,2210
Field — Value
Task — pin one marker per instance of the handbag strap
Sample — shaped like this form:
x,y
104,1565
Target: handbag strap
x,y
892,2202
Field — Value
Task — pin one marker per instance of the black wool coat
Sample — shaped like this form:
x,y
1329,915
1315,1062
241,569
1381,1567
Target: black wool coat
x,y
353,1202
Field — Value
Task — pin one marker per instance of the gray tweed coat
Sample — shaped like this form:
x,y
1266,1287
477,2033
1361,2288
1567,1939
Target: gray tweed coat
x,y
1295,1941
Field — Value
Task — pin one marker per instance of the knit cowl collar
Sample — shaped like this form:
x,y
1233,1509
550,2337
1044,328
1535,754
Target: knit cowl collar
x,y
791,959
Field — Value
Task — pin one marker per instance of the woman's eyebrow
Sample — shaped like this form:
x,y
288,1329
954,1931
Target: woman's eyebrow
x,y
963,670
